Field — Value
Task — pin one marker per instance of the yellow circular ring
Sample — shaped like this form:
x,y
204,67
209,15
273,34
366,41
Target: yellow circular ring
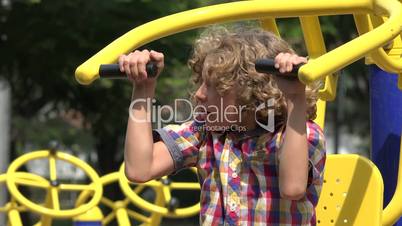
x,y
22,175
136,199
106,180
12,185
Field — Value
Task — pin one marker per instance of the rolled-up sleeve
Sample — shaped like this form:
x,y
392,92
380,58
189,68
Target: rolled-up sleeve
x,y
183,142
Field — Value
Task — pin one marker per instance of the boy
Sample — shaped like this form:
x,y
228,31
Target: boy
x,y
250,174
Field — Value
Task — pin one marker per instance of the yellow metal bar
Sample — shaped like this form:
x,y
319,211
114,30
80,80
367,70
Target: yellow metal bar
x,y
54,195
185,186
76,187
31,183
313,36
269,24
139,188
138,216
122,217
166,193
52,168
45,220
108,218
234,11
391,61
14,218
107,202
393,210
363,23
316,47
156,218
126,201
320,120
153,183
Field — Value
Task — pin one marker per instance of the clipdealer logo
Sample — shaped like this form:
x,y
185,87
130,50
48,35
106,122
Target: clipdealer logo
x,y
270,126
163,114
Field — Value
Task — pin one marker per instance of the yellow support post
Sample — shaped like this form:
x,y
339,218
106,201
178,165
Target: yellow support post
x,y
321,106
316,47
269,24
14,218
122,217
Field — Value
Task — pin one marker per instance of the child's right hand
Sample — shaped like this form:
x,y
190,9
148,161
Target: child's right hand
x,y
134,65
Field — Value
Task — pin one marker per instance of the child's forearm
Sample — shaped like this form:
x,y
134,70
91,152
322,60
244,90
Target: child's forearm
x,y
139,141
293,157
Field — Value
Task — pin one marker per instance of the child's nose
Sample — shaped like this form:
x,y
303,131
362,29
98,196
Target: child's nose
x,y
201,94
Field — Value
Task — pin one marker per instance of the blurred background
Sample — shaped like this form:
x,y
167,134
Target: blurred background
x,y
43,41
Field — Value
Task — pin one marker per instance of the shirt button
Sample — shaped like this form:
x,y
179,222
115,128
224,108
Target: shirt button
x,y
233,166
234,175
233,206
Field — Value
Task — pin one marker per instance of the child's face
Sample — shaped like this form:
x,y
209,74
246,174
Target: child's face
x,y
219,112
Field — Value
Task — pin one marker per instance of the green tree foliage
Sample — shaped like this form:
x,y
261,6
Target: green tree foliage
x,y
47,41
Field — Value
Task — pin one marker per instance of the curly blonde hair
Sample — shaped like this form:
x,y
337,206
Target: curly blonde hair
x,y
225,57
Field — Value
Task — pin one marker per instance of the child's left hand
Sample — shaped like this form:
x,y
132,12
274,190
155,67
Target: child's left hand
x,y
284,62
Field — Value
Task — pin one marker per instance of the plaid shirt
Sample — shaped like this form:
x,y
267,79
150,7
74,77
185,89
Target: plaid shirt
x,y
239,174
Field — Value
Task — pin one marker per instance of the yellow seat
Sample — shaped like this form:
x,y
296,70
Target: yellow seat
x,y
352,192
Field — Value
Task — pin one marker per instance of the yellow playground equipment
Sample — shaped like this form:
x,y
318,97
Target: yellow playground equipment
x,y
119,208
353,188
164,204
86,209
52,208
12,208
163,186
353,193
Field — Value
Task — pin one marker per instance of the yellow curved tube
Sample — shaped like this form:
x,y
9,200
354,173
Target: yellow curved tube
x,y
120,208
162,191
393,64
235,11
358,47
378,56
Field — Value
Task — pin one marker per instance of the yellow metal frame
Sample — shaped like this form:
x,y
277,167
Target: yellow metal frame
x,y
52,207
119,208
162,190
259,9
387,60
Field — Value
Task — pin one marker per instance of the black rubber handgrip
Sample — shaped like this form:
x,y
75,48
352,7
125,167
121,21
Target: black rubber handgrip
x,y
268,66
112,71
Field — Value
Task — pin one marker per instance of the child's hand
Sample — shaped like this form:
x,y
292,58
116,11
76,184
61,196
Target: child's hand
x,y
284,62
134,65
